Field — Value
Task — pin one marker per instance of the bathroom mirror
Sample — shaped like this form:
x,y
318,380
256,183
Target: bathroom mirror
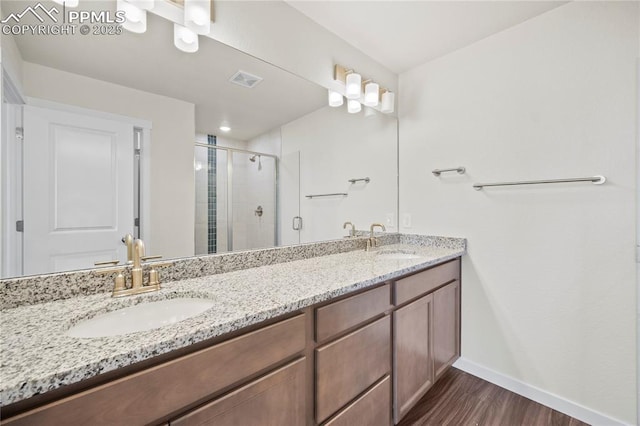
x,y
108,134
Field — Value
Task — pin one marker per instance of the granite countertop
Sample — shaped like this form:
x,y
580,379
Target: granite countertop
x,y
37,356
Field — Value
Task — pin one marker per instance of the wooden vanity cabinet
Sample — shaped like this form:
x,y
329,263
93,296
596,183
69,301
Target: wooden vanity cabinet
x,y
413,360
446,327
365,358
426,332
154,394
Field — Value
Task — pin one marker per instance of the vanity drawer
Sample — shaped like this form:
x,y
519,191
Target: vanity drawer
x,y
275,399
423,282
348,366
347,313
371,409
154,393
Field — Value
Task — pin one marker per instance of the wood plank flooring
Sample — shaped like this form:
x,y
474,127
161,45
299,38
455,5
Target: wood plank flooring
x,y
460,399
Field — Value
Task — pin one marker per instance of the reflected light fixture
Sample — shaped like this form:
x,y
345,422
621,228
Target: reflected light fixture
x,y
197,16
388,101
335,99
371,93
67,3
354,106
185,39
353,85
135,18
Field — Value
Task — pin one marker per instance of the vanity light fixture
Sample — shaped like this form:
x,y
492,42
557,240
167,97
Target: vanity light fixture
x,y
185,39
371,93
197,15
335,99
354,106
135,18
365,92
388,101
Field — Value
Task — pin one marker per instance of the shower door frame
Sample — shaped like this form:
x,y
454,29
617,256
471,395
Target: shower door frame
x,y
230,152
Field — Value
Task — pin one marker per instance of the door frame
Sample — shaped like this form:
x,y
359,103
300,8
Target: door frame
x,y
143,126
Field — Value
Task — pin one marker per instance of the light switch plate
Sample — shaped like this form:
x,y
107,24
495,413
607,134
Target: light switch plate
x,y
390,221
406,220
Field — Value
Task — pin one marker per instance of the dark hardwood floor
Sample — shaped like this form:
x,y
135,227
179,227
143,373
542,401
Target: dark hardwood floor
x,y
460,399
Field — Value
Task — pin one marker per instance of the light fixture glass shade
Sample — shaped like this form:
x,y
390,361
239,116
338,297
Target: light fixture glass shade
x,y
371,94
354,86
354,106
185,39
67,3
388,101
143,4
197,16
135,18
335,99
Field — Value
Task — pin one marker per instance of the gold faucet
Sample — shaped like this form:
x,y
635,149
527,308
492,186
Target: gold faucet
x,y
352,232
128,241
137,273
373,241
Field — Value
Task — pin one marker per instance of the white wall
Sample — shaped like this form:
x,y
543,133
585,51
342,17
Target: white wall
x,y
171,157
549,293
336,146
277,33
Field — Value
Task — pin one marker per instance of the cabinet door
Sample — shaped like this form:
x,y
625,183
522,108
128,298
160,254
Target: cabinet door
x,y
413,360
446,327
275,399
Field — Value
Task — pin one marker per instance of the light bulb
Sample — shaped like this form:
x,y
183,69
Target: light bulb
x,y
185,39
354,106
354,86
197,16
335,99
388,101
135,18
371,94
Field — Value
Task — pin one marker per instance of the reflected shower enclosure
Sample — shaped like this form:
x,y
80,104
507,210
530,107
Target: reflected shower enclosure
x,y
236,205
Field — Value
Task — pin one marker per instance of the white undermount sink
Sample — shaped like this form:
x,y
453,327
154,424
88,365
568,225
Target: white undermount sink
x,y
142,317
397,255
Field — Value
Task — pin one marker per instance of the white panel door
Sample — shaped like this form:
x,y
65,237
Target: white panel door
x,y
78,189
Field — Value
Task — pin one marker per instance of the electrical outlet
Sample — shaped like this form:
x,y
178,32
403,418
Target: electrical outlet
x,y
390,220
406,220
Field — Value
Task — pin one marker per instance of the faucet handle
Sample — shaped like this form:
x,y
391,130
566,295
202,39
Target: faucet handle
x,y
145,258
107,262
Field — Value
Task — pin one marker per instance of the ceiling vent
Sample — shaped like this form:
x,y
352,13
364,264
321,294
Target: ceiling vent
x,y
245,79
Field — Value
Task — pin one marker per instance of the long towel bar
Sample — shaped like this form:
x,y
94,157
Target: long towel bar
x,y
596,180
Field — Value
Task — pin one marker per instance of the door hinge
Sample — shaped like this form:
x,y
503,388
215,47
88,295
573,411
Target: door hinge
x,y
136,221
20,225
19,133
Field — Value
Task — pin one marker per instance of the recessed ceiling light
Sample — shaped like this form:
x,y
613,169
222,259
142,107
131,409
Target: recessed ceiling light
x,y
225,128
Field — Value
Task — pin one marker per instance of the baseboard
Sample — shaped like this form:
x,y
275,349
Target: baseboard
x,y
560,404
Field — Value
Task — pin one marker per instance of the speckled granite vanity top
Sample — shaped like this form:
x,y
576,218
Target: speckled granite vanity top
x,y
37,356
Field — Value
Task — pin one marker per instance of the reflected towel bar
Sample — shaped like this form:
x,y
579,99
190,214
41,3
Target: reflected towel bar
x,y
461,170
341,194
596,180
366,180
